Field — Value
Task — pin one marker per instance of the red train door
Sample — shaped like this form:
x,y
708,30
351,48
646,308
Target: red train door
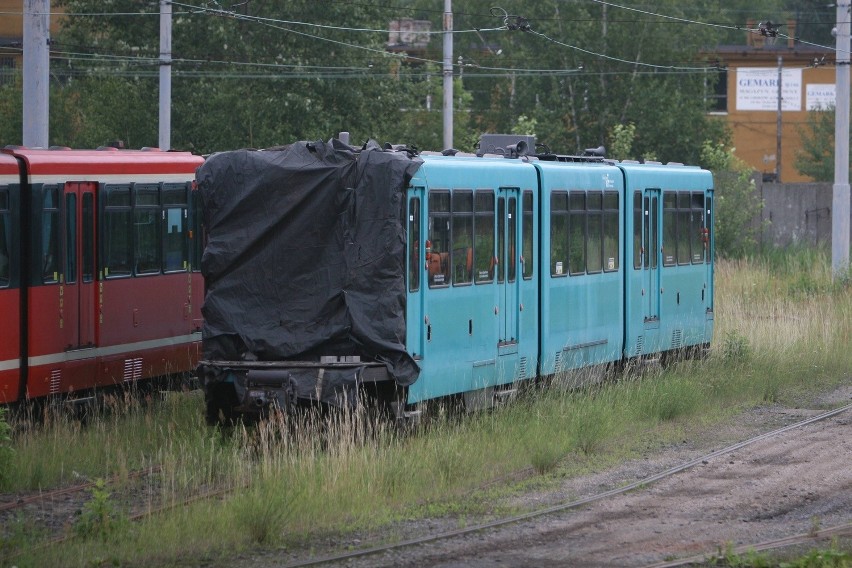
x,y
77,304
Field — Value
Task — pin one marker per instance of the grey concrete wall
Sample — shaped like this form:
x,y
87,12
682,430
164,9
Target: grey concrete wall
x,y
797,213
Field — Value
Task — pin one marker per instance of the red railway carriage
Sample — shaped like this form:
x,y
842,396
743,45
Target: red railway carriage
x,y
10,293
102,285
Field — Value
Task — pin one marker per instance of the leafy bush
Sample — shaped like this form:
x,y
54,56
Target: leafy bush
x,y
736,347
737,203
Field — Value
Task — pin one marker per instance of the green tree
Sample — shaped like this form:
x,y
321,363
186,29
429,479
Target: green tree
x,y
738,206
576,72
816,157
238,81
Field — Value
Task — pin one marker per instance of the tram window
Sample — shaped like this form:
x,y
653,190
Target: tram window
x,y
115,233
414,244
5,238
174,239
174,194
88,237
146,225
696,228
483,230
462,237
70,238
610,231
684,256
175,228
512,228
577,233
118,196
637,230
527,236
438,257
594,237
669,228
559,234
50,235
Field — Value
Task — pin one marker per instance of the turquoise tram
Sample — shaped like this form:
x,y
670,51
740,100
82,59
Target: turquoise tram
x,y
534,266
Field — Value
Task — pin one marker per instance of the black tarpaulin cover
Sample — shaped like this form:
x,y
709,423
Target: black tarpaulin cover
x,y
305,254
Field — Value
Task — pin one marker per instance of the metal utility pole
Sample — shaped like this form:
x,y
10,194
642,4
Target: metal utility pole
x,y
36,73
165,142
840,198
448,74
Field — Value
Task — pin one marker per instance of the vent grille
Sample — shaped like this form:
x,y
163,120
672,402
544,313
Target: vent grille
x,y
132,369
677,339
557,365
55,379
522,371
640,345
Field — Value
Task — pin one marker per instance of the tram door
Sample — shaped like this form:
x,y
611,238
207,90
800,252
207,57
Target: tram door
x,y
651,252
415,252
507,278
77,289
709,235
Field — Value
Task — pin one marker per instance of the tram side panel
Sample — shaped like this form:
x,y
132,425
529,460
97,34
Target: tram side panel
x,y
471,315
10,291
582,270
669,277
148,295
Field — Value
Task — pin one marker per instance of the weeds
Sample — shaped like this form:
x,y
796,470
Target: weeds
x,y
736,347
261,513
7,452
100,517
313,474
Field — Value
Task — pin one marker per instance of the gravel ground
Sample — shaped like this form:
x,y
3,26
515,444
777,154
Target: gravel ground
x,y
789,484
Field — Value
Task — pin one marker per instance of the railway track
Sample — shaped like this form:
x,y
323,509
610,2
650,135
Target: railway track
x,y
810,538
57,510
52,495
350,555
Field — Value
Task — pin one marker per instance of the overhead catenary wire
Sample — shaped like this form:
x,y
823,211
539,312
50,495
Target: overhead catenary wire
x,y
473,69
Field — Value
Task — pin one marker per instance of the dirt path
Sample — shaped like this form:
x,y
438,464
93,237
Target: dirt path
x,y
789,484
778,487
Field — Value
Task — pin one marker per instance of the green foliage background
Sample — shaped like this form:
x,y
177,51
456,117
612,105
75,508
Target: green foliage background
x,y
240,83
586,73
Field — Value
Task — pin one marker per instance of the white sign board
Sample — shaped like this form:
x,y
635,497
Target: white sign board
x,y
757,89
819,96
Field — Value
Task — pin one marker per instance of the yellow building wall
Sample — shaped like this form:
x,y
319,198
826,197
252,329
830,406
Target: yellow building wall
x,y
11,22
12,19
755,133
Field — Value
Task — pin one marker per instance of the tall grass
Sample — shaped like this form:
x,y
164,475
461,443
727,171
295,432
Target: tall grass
x,y
783,333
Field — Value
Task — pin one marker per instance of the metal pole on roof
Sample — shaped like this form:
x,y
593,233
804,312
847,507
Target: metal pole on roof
x,y
165,132
448,74
36,73
840,197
